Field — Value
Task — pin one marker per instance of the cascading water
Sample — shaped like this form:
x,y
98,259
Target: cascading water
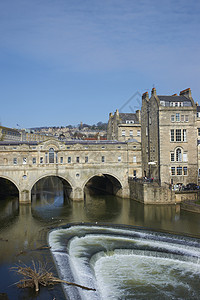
x,y
126,262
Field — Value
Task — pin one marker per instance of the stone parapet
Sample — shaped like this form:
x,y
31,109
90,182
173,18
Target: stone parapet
x,y
150,193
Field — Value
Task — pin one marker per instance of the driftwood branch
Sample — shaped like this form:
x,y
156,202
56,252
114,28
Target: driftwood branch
x,y
44,247
39,275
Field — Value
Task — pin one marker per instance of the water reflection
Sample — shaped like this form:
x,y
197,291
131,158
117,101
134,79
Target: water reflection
x,y
25,227
9,210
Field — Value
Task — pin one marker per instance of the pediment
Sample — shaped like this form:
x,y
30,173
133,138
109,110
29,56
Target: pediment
x,y
51,143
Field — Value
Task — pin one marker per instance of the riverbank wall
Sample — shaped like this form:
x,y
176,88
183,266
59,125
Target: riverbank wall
x,y
150,193
190,206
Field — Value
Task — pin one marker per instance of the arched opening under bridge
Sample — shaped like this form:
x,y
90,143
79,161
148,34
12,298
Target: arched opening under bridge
x,y
102,184
51,190
8,189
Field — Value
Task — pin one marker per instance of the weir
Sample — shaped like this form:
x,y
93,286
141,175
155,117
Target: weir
x,y
125,262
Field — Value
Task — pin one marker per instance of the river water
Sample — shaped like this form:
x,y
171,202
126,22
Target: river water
x,y
100,254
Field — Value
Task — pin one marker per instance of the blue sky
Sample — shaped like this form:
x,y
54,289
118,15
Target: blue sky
x,y
66,61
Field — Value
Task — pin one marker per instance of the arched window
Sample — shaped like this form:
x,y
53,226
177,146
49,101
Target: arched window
x,y
178,155
51,156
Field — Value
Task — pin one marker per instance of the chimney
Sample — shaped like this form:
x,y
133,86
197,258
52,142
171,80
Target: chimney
x,y
138,114
174,95
117,112
187,93
110,115
153,92
145,96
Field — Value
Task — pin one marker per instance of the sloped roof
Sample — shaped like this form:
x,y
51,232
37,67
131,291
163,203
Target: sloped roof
x,y
128,117
186,101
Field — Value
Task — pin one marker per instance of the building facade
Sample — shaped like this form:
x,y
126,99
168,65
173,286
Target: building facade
x,y
9,134
124,126
76,162
169,138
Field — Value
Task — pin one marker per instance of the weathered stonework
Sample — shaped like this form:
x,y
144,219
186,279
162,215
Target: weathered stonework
x,y
169,138
76,162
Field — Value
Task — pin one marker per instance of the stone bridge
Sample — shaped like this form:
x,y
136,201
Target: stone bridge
x,y
76,163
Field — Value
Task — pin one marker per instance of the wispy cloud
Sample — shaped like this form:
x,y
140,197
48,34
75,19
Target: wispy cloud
x,y
99,35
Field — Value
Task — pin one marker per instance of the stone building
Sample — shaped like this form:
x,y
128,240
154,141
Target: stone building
x,y
75,162
124,126
9,134
169,137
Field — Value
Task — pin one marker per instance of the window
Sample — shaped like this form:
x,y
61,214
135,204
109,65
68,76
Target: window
x,y
177,117
184,135
103,159
172,118
172,135
186,118
134,158
172,171
185,157
178,135
119,158
24,160
61,160
77,159
51,156
34,160
123,132
184,170
179,170
178,155
176,104
46,157
198,131
131,132
134,173
41,160
172,156
69,160
14,161
182,118
138,133
86,159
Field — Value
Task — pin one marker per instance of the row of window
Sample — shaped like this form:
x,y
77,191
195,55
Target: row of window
x,y
178,155
178,135
179,171
69,160
130,132
179,118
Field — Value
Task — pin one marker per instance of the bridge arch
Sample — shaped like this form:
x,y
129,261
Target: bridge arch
x,y
68,188
12,181
104,182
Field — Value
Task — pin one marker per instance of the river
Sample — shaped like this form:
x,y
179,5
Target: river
x,y
24,228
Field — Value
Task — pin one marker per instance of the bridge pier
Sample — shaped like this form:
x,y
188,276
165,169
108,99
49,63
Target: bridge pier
x,y
77,194
24,196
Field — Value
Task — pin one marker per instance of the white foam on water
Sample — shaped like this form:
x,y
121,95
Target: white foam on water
x,y
101,258
116,273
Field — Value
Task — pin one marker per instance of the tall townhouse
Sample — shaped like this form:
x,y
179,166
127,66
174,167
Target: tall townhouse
x,y
124,126
169,138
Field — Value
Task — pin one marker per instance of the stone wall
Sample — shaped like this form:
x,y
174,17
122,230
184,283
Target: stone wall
x,y
150,193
